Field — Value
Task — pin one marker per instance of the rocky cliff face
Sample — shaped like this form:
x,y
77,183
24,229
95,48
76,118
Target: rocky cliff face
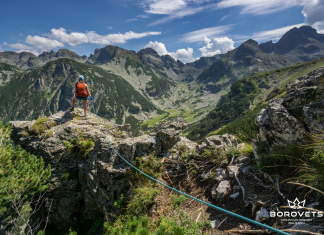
x,y
280,124
88,185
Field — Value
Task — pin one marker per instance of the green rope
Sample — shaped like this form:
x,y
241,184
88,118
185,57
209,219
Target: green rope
x,y
206,203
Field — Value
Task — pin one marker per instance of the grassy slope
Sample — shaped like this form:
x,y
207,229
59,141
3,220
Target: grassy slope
x,y
8,72
244,99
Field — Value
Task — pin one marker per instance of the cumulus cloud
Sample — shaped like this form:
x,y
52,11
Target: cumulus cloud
x,y
58,37
22,48
72,39
43,43
159,47
76,38
19,46
180,54
313,12
216,46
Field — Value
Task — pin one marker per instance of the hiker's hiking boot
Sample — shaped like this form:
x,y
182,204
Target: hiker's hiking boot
x,y
71,109
85,114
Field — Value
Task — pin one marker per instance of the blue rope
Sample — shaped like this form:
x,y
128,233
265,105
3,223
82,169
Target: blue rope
x,y
206,203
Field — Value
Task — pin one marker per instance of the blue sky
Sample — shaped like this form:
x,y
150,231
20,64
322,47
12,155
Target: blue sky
x,y
184,29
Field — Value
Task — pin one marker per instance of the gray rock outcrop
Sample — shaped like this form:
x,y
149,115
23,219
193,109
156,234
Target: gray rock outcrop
x,y
88,185
281,123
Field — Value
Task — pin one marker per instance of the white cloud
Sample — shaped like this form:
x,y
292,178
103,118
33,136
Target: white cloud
x,y
224,17
180,54
19,46
174,9
159,47
93,37
199,35
72,39
274,34
312,10
43,43
144,16
216,46
314,14
130,20
256,7
34,51
58,37
165,7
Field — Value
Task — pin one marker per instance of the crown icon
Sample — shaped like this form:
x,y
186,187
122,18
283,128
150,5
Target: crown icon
x,y
296,204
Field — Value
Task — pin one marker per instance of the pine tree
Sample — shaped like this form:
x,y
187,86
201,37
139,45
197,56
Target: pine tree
x,y
22,175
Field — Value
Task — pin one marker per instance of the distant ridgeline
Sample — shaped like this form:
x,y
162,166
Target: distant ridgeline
x,y
130,87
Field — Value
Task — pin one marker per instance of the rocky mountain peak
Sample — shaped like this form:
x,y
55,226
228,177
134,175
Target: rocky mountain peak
x,y
107,53
291,40
248,48
148,51
310,32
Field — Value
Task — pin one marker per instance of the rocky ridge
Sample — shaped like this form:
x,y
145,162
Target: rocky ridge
x,y
89,185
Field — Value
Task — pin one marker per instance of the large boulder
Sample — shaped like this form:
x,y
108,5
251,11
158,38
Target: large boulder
x,y
170,131
278,126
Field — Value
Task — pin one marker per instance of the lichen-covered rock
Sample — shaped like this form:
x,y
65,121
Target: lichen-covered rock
x,y
281,123
278,126
169,132
314,118
224,142
223,189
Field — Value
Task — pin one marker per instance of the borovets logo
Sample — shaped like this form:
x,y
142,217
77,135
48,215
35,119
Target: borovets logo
x,y
296,204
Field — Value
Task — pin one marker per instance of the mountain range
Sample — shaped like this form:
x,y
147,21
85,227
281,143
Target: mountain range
x,y
142,88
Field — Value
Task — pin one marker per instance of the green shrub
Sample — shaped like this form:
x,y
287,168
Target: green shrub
x,y
217,156
119,202
179,224
22,175
312,170
79,145
25,133
143,198
177,201
41,125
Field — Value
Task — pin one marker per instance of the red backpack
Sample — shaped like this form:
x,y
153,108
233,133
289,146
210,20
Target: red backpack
x,y
81,90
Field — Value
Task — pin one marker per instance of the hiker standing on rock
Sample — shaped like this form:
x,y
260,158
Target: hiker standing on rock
x,y
81,93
